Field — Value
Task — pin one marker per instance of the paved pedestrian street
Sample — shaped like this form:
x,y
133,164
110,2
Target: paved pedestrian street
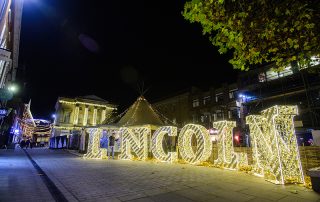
x,y
78,179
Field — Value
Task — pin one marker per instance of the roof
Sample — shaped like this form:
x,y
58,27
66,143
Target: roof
x,y
92,97
140,113
87,99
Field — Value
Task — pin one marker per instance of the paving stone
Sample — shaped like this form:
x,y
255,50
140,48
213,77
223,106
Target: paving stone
x,y
196,195
294,199
142,200
169,197
116,180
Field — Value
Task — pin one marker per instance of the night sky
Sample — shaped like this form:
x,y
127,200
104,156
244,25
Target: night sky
x,y
105,48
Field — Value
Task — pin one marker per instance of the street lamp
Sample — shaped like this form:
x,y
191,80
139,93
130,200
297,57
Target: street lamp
x,y
12,88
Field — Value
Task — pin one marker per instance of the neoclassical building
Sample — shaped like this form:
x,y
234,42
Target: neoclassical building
x,y
74,114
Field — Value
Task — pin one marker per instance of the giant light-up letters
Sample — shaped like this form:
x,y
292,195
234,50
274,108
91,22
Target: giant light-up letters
x,y
94,150
157,140
135,139
274,145
227,157
203,147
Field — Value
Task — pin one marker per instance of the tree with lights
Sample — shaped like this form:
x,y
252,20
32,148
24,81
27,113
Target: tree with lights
x,y
262,31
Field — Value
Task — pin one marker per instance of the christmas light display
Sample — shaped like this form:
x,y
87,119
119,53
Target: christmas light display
x,y
135,139
157,140
227,158
85,103
203,144
94,150
274,145
275,149
27,124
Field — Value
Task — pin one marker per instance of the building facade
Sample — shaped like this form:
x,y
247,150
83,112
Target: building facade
x,y
74,114
201,107
42,132
262,88
175,108
10,26
255,90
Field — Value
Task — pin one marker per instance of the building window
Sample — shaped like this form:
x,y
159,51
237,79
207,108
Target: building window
x,y
215,117
66,118
194,118
286,72
262,77
206,100
314,61
232,93
195,103
220,114
202,118
272,75
219,97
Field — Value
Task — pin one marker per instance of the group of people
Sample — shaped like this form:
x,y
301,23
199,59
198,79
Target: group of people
x,y
26,143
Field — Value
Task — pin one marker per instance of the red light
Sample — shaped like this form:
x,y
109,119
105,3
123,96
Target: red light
x,y
236,137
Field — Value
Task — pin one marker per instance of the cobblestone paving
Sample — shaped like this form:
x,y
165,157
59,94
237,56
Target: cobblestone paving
x,y
137,181
19,181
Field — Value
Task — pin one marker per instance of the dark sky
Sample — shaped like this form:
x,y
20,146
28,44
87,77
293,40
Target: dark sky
x,y
81,47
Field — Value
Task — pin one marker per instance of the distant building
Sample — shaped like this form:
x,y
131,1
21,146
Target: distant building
x,y
262,88
42,132
176,108
201,107
214,105
254,91
73,114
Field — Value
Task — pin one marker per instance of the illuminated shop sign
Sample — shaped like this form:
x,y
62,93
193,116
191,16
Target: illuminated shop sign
x,y
3,112
274,145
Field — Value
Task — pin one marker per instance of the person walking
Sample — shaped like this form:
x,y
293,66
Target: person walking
x,y
22,143
27,143
31,144
111,145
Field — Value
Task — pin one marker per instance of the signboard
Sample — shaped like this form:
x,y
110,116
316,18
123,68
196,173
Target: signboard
x,y
5,55
3,112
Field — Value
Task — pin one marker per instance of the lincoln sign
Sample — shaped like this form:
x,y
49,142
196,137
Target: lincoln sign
x,y
275,154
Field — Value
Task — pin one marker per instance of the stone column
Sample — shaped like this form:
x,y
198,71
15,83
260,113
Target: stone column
x,y
103,115
85,116
94,118
76,115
